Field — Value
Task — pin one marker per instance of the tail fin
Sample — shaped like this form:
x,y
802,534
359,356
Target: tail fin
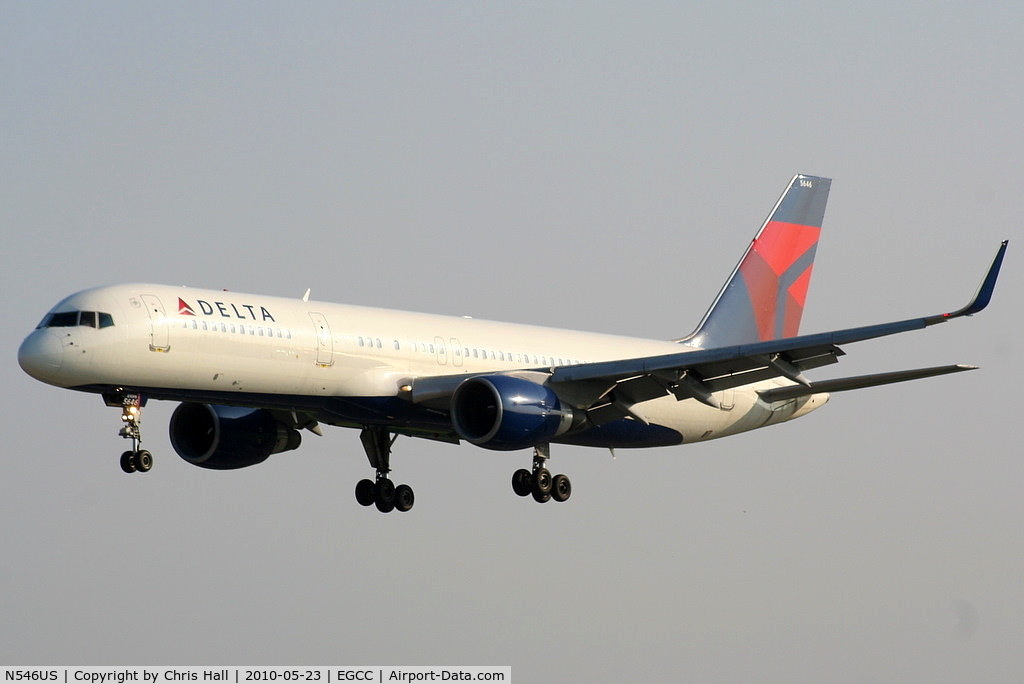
x,y
764,297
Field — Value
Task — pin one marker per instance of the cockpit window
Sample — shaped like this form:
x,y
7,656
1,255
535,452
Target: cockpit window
x,y
70,319
64,319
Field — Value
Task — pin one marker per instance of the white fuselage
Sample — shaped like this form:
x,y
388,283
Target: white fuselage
x,y
182,343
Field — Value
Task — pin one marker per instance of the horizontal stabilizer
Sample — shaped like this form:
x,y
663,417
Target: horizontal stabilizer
x,y
858,382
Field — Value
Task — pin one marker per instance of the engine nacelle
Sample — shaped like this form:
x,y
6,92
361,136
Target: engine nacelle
x,y
228,437
505,413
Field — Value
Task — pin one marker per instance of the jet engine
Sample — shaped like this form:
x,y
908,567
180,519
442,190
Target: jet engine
x,y
228,437
505,413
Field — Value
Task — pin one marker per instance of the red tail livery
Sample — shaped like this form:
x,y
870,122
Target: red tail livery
x,y
764,297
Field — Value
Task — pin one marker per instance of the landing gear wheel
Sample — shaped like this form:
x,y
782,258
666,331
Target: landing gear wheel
x,y
541,482
522,482
538,482
128,462
384,495
561,488
364,492
404,498
143,461
382,492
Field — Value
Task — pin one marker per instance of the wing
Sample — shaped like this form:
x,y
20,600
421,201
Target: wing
x,y
609,390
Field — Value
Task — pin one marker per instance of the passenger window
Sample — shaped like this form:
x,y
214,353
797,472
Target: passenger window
x,y
396,345
204,325
378,343
360,341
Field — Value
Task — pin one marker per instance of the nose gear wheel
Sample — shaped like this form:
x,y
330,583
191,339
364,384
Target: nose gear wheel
x,y
137,459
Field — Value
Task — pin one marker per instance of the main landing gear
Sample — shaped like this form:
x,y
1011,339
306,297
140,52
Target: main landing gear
x,y
136,460
381,491
539,482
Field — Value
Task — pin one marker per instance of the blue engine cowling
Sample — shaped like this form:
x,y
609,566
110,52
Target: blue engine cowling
x,y
228,437
505,413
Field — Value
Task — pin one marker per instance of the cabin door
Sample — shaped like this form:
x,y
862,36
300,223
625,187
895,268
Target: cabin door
x,y
324,342
159,328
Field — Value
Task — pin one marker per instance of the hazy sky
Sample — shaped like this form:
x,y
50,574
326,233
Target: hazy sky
x,y
582,165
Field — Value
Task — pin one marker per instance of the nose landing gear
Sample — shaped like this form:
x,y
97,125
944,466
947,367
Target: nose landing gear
x,y
135,460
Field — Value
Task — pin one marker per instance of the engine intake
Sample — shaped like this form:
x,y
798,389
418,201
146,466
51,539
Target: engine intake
x,y
228,437
506,413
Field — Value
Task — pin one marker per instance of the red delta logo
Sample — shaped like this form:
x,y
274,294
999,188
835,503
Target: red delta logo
x,y
225,310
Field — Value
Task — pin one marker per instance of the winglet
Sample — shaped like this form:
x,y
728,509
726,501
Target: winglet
x,y
984,294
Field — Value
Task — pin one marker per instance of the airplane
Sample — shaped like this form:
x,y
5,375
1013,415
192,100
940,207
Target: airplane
x,y
252,371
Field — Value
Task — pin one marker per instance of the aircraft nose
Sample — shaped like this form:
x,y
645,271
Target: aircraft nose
x,y
41,355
